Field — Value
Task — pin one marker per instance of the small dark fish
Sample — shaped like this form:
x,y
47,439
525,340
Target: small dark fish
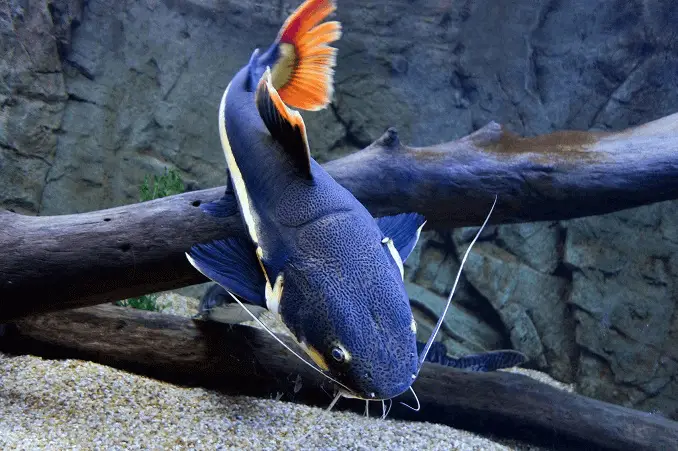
x,y
484,362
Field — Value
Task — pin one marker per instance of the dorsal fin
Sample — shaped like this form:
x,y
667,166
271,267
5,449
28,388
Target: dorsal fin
x,y
304,70
285,125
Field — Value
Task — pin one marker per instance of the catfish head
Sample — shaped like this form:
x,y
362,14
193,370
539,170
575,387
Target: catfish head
x,y
345,302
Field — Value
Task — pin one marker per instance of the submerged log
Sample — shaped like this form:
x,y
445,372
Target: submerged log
x,y
246,361
60,262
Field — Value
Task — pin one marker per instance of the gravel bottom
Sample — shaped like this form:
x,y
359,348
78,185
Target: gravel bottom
x,y
73,404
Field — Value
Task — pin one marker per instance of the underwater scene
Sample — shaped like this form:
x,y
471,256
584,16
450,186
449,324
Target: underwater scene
x,y
339,224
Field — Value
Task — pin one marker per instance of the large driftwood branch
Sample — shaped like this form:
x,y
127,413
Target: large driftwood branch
x,y
244,360
52,263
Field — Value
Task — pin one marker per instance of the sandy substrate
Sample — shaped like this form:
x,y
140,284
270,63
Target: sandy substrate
x,y
71,404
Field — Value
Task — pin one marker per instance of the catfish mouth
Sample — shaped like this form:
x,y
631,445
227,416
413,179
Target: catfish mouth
x,y
383,395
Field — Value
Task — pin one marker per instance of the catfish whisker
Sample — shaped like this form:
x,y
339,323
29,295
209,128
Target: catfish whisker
x,y
283,343
407,405
367,408
383,409
416,398
334,401
312,428
422,357
390,404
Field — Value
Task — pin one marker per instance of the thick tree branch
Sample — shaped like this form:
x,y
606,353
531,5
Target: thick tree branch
x,y
51,263
244,360
557,176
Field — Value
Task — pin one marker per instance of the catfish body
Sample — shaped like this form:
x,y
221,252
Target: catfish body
x,y
315,256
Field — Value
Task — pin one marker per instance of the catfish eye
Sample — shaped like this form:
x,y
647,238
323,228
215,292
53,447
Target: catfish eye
x,y
338,355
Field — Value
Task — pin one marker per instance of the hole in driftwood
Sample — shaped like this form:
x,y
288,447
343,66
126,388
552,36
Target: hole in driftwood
x,y
125,247
196,203
107,219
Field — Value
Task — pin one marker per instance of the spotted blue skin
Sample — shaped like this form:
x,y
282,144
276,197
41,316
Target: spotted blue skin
x,y
341,284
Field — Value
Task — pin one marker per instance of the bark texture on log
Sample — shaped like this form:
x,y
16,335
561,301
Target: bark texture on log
x,y
58,262
244,360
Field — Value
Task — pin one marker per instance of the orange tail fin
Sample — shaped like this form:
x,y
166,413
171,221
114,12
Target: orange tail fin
x,y
304,72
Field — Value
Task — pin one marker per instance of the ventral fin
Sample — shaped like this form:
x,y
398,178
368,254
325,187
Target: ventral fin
x,y
222,208
218,305
304,70
233,264
404,229
285,125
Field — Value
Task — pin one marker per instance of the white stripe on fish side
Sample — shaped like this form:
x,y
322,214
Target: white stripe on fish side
x,y
236,175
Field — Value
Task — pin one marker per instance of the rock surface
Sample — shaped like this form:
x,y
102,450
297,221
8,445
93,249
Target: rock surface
x,y
624,297
32,100
94,95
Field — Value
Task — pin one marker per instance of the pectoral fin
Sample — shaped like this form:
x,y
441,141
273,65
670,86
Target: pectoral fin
x,y
285,125
404,229
233,264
